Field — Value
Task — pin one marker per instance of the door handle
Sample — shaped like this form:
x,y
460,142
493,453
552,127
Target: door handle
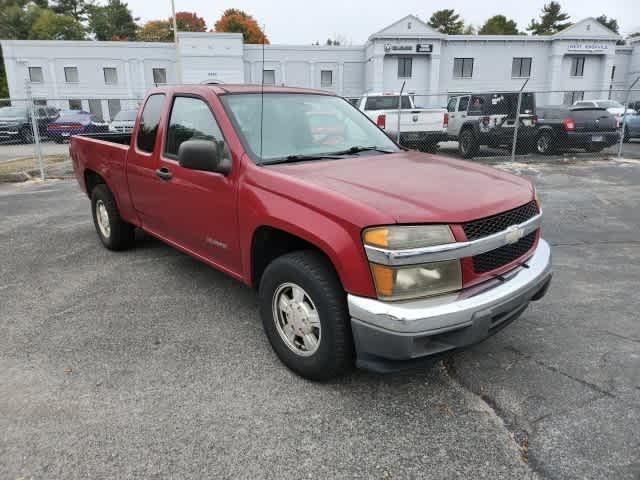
x,y
164,174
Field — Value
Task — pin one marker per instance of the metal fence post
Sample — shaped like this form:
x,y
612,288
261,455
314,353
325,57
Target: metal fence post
x,y
400,111
624,117
515,131
36,133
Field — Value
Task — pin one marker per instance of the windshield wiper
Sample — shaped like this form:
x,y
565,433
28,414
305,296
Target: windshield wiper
x,y
358,149
302,158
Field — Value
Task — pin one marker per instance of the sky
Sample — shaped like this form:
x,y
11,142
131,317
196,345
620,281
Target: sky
x,y
303,22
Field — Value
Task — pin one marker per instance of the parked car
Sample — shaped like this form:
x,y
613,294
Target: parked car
x,y
420,128
562,127
74,122
490,119
632,126
613,107
16,125
359,249
123,122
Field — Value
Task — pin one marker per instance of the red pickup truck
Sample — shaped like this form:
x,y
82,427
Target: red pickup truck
x,y
361,251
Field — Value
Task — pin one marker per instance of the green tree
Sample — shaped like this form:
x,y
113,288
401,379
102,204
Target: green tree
x,y
552,20
112,21
610,23
499,25
469,30
76,9
53,26
155,31
447,21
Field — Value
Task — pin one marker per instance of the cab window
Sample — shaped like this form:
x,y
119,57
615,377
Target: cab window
x,y
451,106
149,123
191,119
464,104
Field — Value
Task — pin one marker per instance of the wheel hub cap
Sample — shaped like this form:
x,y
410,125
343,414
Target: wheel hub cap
x,y
296,319
102,216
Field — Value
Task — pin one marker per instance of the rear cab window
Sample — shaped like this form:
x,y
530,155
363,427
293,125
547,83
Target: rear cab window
x,y
387,102
149,122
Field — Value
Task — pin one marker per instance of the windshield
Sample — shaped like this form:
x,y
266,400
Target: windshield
x,y
301,124
126,115
12,112
609,104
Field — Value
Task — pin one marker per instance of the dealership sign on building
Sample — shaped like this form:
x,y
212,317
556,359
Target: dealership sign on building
x,y
391,48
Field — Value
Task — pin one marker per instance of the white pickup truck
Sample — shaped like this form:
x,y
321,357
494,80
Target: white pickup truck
x,y
420,128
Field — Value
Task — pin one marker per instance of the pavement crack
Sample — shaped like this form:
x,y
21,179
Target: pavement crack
x,y
623,337
554,369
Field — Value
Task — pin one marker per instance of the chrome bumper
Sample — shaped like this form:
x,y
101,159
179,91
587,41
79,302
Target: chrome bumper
x,y
419,328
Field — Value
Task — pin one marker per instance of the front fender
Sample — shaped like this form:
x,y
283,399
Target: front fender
x,y
338,240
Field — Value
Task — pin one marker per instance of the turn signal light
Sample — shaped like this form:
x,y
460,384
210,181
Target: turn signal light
x,y
445,122
382,121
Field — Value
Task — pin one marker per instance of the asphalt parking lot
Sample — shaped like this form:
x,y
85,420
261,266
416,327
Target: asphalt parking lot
x,y
148,364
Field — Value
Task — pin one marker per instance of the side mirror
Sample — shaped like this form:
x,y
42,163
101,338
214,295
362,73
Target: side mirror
x,y
206,155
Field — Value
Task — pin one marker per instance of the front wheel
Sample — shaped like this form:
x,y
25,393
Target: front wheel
x,y
114,233
304,314
467,145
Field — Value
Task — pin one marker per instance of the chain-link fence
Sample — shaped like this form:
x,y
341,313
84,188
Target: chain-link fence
x,y
34,132
548,125
578,124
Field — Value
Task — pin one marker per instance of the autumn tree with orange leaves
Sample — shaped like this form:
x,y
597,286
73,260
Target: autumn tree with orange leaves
x,y
237,21
190,22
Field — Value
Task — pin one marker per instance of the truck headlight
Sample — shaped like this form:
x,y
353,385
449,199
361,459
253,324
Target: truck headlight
x,y
404,237
413,281
403,283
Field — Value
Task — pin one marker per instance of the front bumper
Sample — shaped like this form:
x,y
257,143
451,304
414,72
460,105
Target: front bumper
x,y
390,335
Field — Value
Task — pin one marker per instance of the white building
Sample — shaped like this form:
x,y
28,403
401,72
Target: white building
x,y
581,61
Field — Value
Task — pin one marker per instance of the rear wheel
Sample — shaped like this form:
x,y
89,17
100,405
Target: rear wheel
x,y
544,143
467,144
595,148
304,313
114,233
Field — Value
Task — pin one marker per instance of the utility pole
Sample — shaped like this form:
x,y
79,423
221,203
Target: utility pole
x,y
177,43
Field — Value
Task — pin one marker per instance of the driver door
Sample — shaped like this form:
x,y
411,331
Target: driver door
x,y
199,210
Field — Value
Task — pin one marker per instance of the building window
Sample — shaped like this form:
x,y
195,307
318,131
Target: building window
x,y
35,74
160,76
577,66
71,75
571,97
521,67
110,75
326,78
463,67
269,77
114,107
405,65
75,104
95,107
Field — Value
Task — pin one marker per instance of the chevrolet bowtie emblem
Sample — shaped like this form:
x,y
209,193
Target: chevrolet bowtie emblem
x,y
514,233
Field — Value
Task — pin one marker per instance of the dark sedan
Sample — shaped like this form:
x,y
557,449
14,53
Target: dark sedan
x,y
75,122
562,127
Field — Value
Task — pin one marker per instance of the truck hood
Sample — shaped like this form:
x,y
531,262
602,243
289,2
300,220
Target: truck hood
x,y
414,187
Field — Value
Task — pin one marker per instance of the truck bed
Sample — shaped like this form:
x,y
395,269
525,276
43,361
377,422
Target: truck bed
x,y
113,137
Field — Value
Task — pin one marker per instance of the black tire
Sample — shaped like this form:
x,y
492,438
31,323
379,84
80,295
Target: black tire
x,y
315,275
121,235
26,135
468,146
595,148
545,143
